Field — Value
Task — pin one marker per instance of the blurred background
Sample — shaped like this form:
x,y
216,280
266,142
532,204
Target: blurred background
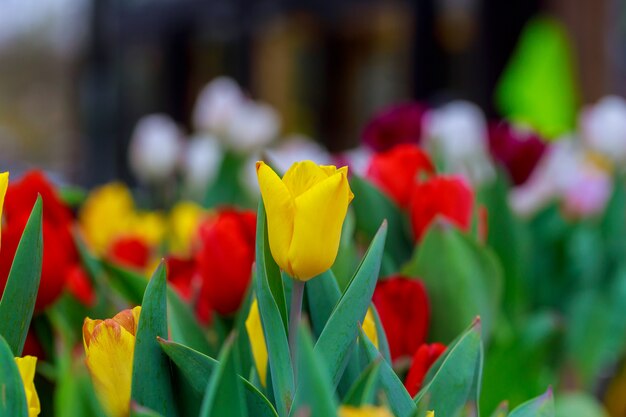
x,y
76,75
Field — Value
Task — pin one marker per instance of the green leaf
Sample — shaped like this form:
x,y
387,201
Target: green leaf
x,y
197,369
542,406
274,326
371,207
20,293
383,344
578,404
13,398
314,393
227,188
455,379
224,395
364,388
183,325
151,381
139,411
462,278
132,285
322,293
339,335
399,400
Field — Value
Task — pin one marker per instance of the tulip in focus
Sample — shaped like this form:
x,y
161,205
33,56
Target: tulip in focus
x,y
155,148
224,258
404,311
446,196
109,348
425,356
26,367
397,170
305,213
257,340
363,411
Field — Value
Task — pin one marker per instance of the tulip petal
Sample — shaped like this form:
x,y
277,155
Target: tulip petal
x,y
257,340
304,175
4,184
26,367
319,215
279,206
109,359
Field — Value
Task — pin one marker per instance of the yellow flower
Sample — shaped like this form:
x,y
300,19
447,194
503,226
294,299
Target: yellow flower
x,y
150,226
364,411
26,366
184,220
105,215
109,348
430,414
369,327
257,340
305,213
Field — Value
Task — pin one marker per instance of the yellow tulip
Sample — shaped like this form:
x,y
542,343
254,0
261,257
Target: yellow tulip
x,y
4,184
184,219
257,340
26,366
305,214
109,348
430,414
369,327
364,411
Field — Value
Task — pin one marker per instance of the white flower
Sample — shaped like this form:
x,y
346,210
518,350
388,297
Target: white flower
x,y
457,132
216,104
603,127
155,148
201,162
253,126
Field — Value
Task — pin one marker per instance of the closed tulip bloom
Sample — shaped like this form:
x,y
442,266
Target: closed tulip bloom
x,y
447,196
305,214
109,349
403,307
257,340
424,358
363,411
26,367
396,171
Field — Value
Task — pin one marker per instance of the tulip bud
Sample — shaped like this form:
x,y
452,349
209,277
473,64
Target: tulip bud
x,y
604,127
26,366
252,127
109,348
305,213
423,359
216,104
395,125
155,148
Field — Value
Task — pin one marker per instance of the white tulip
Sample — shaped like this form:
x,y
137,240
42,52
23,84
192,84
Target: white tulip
x,y
202,161
603,127
253,126
216,104
155,148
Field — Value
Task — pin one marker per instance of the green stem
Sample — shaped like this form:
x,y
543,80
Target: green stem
x,y
297,291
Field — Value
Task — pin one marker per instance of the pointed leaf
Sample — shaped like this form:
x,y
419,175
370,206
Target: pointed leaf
x,y
542,406
183,325
13,398
339,334
130,284
20,293
151,381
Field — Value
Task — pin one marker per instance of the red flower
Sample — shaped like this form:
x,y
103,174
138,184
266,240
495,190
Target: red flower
x,y
518,150
402,305
424,358
395,171
79,285
130,251
394,125
447,196
184,277
225,258
59,253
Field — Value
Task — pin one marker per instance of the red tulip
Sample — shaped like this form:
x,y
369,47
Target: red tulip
x,y
518,150
424,358
130,251
403,307
184,277
59,253
79,285
447,196
225,258
395,171
394,125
